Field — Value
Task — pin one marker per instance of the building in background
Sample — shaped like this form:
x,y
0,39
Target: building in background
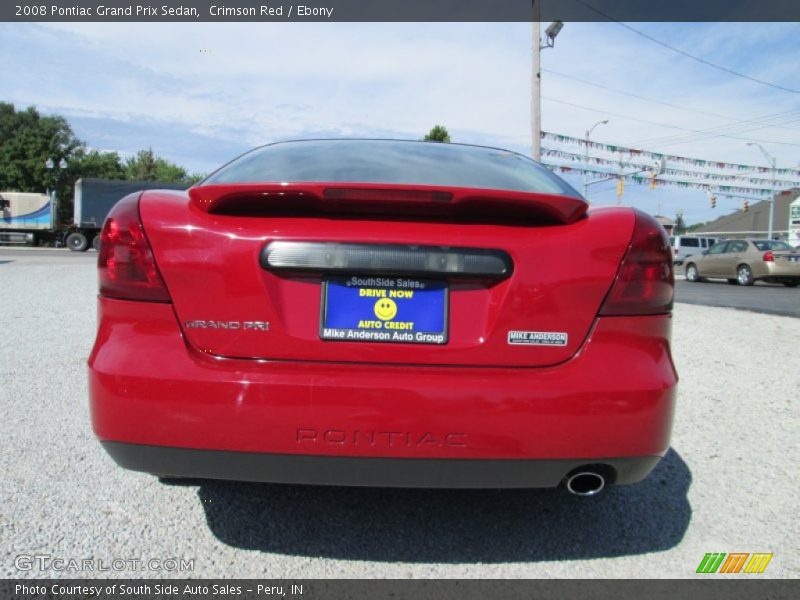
x,y
755,221
666,223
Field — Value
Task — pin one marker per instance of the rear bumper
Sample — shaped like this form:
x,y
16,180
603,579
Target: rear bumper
x,y
373,472
786,272
164,407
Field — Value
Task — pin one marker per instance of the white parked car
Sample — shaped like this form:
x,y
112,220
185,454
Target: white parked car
x,y
688,245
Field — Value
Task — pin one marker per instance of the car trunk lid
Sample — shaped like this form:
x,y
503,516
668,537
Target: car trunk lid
x,y
547,267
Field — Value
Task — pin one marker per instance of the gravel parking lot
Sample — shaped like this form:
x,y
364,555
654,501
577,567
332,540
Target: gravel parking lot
x,y
728,484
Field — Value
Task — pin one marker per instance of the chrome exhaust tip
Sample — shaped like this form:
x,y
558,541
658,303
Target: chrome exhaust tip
x,y
585,483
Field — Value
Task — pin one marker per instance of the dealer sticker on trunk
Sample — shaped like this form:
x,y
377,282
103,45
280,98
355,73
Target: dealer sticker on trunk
x,y
538,338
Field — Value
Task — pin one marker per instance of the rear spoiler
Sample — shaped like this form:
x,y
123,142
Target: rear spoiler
x,y
386,199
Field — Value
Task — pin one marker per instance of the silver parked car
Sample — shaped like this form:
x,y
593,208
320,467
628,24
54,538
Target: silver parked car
x,y
745,261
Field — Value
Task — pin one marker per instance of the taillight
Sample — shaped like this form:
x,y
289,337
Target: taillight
x,y
768,256
126,266
645,282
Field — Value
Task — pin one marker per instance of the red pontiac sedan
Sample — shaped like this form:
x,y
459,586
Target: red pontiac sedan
x,y
384,313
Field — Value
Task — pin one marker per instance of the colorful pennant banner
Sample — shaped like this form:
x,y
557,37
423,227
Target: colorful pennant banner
x,y
657,156
661,181
684,173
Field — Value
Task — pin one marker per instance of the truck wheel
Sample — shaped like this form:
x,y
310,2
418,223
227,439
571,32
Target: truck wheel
x,y
96,242
77,242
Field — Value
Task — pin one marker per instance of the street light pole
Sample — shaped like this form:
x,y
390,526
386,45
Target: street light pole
x,y
773,164
586,156
50,164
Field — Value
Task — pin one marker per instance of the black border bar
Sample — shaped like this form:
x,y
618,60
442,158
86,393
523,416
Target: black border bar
x,y
726,587
398,10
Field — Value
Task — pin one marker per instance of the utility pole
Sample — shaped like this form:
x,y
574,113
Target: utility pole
x,y
773,165
774,193
536,86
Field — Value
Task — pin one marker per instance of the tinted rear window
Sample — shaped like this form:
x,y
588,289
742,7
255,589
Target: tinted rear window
x,y
385,161
690,242
772,245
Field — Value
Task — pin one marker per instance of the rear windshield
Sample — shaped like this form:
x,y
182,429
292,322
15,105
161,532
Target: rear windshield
x,y
386,161
772,245
690,242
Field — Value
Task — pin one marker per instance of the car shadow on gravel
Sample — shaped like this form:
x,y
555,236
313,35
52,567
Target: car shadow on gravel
x,y
452,526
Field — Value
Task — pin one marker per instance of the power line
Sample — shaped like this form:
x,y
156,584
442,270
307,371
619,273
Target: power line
x,y
617,91
645,98
767,121
686,54
709,133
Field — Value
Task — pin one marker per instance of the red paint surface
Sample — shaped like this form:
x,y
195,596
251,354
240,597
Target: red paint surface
x,y
615,398
608,393
210,264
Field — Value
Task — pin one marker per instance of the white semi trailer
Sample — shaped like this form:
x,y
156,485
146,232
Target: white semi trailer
x,y
32,218
24,215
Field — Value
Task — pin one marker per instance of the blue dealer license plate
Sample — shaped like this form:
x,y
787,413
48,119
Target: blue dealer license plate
x,y
384,309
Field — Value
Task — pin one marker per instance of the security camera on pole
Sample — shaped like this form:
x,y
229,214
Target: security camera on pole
x,y
550,33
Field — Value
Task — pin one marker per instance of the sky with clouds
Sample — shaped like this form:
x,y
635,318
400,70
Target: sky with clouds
x,y
200,94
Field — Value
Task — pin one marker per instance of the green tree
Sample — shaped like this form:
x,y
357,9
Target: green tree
x,y
680,225
438,133
27,140
146,166
696,226
194,178
100,165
